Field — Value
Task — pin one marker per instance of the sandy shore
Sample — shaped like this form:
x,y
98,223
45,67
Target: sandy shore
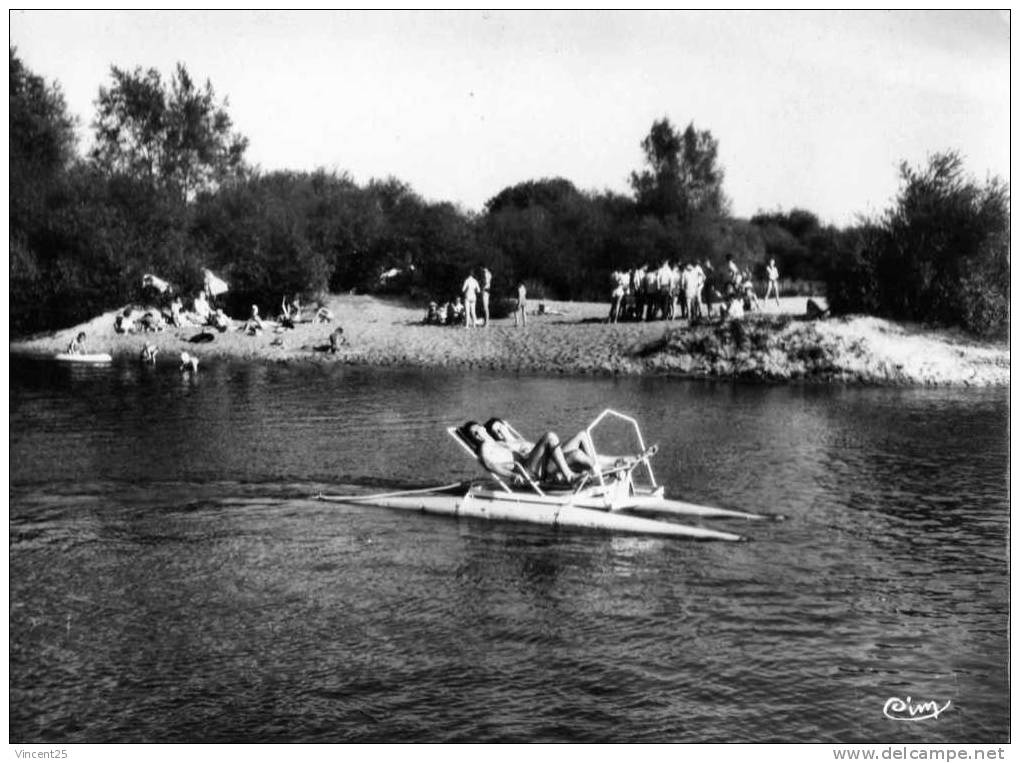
x,y
775,345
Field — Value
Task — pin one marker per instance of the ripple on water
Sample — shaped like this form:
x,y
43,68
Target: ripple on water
x,y
171,580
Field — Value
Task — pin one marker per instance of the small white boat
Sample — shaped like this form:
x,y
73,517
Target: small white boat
x,y
611,501
78,357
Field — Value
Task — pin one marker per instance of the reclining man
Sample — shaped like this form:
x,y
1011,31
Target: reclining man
x,y
545,461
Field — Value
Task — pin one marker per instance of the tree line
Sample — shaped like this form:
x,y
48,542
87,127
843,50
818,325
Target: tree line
x,y
166,189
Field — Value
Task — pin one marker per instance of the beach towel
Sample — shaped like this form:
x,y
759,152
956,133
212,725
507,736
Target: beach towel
x,y
155,282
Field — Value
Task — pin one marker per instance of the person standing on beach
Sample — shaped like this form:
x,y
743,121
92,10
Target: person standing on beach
x,y
773,288
664,282
520,312
651,290
637,286
619,281
470,291
733,271
486,288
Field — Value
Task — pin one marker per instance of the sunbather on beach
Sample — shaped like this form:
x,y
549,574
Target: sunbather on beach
x,y
124,323
290,313
175,312
152,321
545,460
254,323
336,340
219,320
201,307
455,312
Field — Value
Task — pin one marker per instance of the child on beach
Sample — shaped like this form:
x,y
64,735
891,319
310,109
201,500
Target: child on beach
x,y
219,320
336,340
189,363
77,345
254,323
773,288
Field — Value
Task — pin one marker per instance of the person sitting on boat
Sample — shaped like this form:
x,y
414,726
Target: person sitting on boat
x,y
578,450
77,345
544,462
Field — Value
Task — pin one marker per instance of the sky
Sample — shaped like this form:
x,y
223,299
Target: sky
x,y
812,110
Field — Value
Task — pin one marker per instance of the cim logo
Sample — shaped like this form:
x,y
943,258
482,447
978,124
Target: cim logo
x,y
905,710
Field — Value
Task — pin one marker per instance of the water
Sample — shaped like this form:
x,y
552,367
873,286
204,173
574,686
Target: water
x,y
171,581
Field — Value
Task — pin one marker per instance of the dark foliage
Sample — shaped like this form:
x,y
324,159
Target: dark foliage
x,y
683,177
940,255
166,191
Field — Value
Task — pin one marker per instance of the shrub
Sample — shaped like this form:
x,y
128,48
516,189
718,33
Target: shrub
x,y
940,255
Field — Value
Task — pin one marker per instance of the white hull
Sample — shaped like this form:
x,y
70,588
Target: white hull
x,y
95,357
552,511
667,507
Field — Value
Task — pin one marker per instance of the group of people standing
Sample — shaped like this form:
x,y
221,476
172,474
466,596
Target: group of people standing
x,y
644,293
463,309
669,291
472,288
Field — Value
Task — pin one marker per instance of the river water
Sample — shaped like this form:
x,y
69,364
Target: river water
x,y
172,581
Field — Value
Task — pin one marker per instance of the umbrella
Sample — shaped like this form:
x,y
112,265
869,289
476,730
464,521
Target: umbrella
x,y
215,286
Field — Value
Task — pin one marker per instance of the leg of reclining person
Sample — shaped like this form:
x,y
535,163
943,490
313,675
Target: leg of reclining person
x,y
578,452
546,457
581,454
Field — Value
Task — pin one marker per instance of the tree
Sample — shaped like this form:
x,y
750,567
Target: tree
x,y
542,193
550,235
940,255
178,138
944,230
683,178
42,141
42,150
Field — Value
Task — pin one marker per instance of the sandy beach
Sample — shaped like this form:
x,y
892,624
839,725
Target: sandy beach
x,y
778,344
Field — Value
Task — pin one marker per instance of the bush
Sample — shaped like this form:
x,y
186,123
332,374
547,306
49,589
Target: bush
x,y
941,255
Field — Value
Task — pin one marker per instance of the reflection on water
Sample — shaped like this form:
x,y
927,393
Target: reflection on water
x,y
172,581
